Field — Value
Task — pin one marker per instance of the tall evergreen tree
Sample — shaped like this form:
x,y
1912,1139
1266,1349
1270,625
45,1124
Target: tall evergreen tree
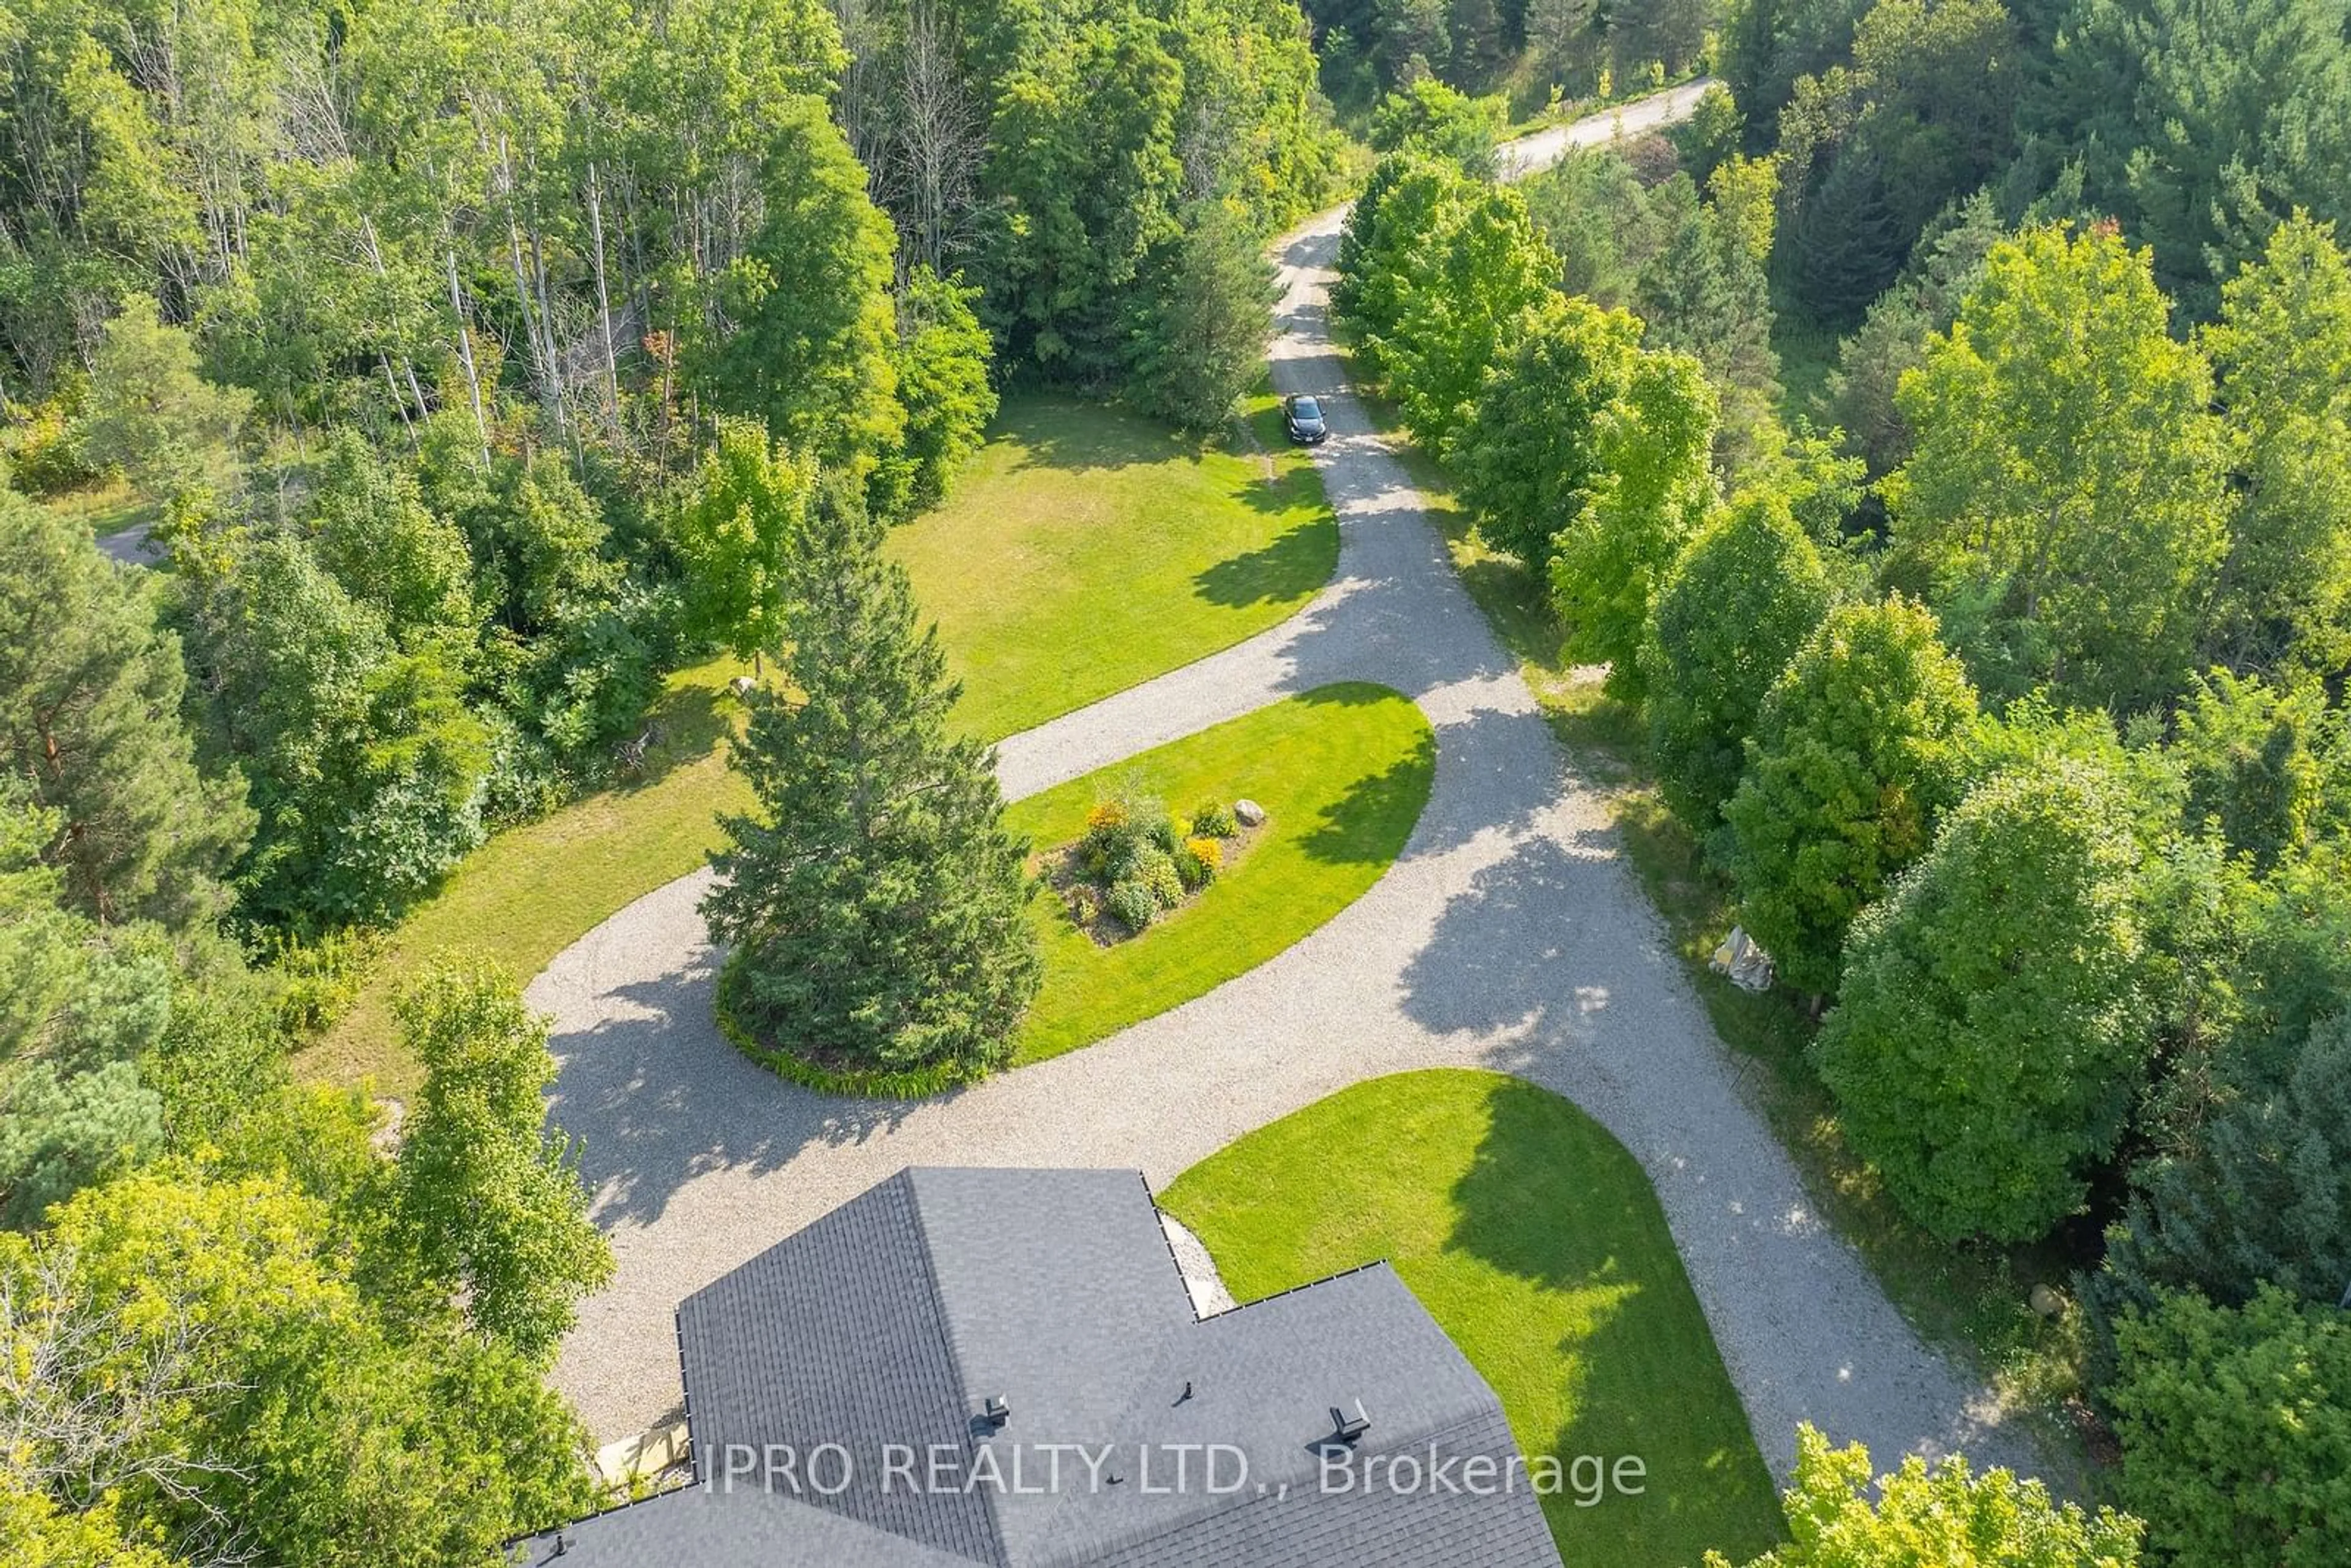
x,y
872,899
89,712
1201,321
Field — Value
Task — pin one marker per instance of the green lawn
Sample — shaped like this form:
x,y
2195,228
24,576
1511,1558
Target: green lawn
x,y
533,891
1533,1237
1343,772
1085,550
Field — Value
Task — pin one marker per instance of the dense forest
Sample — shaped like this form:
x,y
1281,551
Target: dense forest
x,y
1943,437
1998,664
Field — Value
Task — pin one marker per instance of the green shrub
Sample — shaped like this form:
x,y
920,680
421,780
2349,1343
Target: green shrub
x,y
1123,863
42,457
1131,903
1085,905
1214,820
317,979
2236,1429
1164,834
1155,869
1198,861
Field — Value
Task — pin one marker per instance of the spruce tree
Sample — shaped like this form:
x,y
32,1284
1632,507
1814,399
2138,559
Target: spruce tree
x,y
872,899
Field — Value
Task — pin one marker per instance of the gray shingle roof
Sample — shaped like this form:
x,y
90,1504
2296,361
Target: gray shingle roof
x,y
885,1327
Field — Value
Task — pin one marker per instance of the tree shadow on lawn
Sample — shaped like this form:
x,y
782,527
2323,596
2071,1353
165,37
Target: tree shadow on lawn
x,y
1372,821
694,720
1068,431
1292,565
658,1097
1553,1198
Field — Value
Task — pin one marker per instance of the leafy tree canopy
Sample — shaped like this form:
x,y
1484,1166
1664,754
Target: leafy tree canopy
x,y
1859,748
2065,498
1942,1516
1739,602
1990,1032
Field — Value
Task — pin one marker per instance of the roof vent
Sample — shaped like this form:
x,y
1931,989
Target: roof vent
x,y
996,1410
1348,1428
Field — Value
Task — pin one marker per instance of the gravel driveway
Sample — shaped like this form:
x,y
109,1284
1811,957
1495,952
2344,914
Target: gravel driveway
x,y
1510,935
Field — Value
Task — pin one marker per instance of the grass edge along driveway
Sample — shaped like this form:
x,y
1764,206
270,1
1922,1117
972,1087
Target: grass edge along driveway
x,y
1533,1237
1343,772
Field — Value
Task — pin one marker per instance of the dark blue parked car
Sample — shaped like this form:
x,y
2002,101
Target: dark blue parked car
x,y
1303,417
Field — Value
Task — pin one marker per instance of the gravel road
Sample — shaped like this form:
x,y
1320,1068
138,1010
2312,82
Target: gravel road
x,y
1510,935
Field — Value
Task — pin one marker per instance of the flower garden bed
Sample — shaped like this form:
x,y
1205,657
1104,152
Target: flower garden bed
x,y
1137,863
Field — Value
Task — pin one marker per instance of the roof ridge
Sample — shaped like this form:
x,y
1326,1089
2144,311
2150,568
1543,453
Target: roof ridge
x,y
946,1338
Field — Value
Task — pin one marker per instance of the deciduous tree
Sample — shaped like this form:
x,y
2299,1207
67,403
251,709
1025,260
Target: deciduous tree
x,y
1990,1031
488,1197
1530,456
1858,748
736,535
2068,477
1737,605
943,361
1481,264
1942,1516
1650,451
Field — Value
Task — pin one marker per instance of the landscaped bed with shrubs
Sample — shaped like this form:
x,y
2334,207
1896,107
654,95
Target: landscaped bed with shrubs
x,y
1137,863
1343,772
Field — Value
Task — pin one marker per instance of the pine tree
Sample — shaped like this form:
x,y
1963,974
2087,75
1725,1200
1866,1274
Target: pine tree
x,y
89,712
1200,329
872,899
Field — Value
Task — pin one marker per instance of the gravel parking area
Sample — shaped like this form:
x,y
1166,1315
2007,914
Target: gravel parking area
x,y
1510,935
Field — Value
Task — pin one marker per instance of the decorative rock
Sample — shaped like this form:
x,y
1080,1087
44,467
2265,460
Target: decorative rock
x,y
1247,813
1749,966
743,686
385,1138
2045,1302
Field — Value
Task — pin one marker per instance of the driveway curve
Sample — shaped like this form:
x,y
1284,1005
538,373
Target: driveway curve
x,y
1510,935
